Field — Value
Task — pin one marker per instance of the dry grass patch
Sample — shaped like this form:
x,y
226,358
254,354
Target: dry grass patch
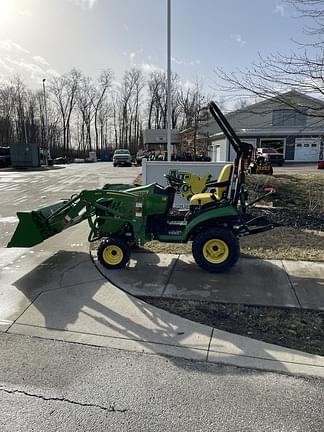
x,y
280,243
285,243
304,191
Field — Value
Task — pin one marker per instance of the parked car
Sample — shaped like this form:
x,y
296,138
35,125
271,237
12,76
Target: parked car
x,y
4,161
271,154
60,160
4,157
122,157
106,158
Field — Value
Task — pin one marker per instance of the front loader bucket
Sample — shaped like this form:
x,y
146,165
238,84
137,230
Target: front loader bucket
x,y
33,227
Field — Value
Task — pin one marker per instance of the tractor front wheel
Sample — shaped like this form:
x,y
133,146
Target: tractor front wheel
x,y
216,249
113,253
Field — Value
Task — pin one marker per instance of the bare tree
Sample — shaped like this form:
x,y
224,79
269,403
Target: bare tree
x,y
127,110
7,114
192,102
85,100
157,100
302,70
64,90
105,81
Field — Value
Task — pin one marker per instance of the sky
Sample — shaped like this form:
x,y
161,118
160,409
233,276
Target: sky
x,y
44,38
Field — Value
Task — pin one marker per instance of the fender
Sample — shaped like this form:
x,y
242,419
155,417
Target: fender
x,y
211,214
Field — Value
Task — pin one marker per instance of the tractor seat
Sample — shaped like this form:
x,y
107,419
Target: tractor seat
x,y
220,192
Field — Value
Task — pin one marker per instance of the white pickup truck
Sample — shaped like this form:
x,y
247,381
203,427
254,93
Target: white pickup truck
x,y
122,157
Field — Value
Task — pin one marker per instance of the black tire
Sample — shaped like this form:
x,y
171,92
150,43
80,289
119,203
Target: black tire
x,y
224,241
115,165
113,253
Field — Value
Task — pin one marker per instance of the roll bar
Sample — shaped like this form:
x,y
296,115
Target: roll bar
x,y
241,148
243,152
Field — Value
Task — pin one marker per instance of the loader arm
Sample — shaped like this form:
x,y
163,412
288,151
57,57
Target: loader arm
x,y
39,225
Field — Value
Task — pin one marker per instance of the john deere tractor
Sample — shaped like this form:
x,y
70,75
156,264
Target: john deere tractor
x,y
122,216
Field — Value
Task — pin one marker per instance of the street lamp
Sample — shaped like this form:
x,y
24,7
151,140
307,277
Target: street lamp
x,y
169,106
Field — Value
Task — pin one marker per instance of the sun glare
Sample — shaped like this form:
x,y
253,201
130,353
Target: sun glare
x,y
5,7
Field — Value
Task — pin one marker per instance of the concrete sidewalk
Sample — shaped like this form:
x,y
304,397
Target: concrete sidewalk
x,y
280,283
56,293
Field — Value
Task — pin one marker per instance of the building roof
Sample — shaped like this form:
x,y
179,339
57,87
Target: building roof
x,y
280,98
257,118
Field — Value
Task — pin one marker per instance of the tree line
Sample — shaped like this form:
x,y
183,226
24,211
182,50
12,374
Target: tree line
x,y
74,114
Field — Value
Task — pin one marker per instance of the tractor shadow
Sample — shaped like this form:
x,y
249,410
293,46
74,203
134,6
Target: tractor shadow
x,y
70,300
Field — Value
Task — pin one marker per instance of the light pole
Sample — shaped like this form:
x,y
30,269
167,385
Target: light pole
x,y
169,106
46,120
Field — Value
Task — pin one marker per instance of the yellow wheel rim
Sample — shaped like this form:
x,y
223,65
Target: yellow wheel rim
x,y
113,255
215,251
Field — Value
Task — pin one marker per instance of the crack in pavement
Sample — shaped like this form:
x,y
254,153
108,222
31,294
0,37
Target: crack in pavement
x,y
110,408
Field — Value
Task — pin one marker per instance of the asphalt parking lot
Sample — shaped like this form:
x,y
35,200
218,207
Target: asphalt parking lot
x,y
29,190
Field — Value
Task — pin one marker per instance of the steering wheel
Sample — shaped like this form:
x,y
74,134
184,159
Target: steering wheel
x,y
173,181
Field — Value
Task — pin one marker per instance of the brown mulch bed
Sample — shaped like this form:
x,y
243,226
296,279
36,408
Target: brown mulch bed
x,y
297,329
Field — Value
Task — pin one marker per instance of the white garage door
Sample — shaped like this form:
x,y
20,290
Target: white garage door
x,y
307,149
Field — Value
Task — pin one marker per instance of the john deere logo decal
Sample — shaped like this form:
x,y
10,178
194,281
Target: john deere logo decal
x,y
192,183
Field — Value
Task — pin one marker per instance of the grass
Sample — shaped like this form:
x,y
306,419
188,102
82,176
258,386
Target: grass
x,y
304,191
280,243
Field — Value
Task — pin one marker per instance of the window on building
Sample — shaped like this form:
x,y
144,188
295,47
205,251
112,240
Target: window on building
x,y
288,117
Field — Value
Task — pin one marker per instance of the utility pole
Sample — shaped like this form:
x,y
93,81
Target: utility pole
x,y
169,105
46,121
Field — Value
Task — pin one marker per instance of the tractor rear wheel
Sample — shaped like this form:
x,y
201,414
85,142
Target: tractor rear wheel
x,y
216,249
113,253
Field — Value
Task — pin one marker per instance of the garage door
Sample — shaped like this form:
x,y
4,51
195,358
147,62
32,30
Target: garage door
x,y
307,149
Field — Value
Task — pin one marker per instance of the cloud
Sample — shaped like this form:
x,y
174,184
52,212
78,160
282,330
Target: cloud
x,y
10,46
131,55
84,4
176,61
5,66
195,62
187,84
126,28
280,9
52,73
150,68
40,60
17,60
238,38
185,62
25,13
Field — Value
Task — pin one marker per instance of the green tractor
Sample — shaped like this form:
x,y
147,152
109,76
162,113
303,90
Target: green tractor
x,y
123,216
